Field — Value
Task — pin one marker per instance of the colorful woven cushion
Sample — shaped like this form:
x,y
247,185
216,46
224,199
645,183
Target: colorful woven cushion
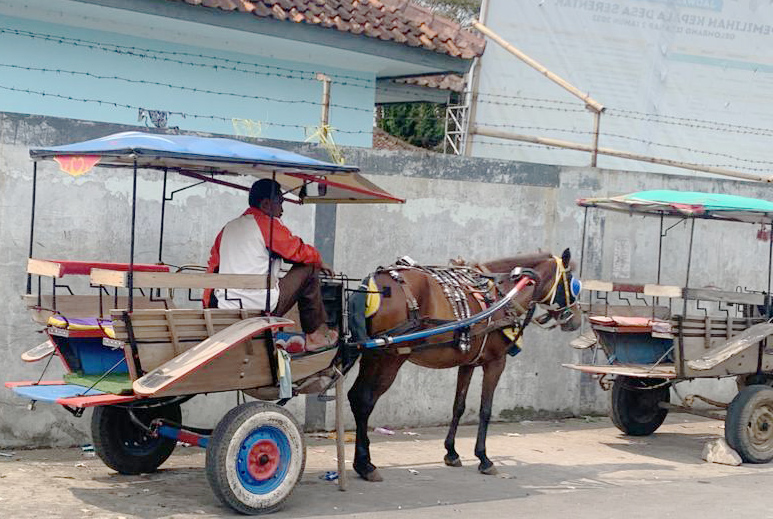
x,y
83,324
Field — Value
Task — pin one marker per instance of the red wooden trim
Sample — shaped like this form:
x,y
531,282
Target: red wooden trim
x,y
361,190
83,268
79,333
95,400
34,383
628,287
205,178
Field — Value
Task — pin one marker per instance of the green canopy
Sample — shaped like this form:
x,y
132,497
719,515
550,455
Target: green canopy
x,y
716,206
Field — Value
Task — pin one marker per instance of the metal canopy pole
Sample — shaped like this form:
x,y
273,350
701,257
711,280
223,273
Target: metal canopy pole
x,y
131,247
684,300
163,213
582,247
764,343
660,246
32,219
270,245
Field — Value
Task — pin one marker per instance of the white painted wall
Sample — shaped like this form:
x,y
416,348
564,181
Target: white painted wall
x,y
684,80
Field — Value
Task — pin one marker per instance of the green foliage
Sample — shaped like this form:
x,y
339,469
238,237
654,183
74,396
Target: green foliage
x,y
423,124
419,124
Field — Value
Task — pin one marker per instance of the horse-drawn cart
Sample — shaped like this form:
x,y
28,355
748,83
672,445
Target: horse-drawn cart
x,y
648,337
131,354
134,356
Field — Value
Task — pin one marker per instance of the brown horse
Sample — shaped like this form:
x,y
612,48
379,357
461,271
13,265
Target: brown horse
x,y
487,344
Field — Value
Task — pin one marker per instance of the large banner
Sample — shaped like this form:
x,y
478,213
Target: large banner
x,y
690,80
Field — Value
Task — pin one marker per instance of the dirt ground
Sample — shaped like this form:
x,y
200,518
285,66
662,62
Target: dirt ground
x,y
575,468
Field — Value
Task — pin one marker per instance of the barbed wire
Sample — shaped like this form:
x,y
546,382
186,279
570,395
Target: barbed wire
x,y
290,73
169,112
633,139
179,87
691,123
525,145
525,98
144,53
553,147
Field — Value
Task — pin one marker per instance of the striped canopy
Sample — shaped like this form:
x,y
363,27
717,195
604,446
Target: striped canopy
x,y
717,206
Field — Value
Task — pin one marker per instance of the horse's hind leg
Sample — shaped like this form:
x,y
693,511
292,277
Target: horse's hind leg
x,y
491,374
377,372
462,385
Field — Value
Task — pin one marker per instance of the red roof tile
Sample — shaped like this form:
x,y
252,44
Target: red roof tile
x,y
452,82
393,20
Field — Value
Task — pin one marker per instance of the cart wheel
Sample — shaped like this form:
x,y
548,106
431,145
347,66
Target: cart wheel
x,y
635,409
255,457
127,448
749,424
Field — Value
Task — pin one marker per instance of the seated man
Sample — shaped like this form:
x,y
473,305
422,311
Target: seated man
x,y
243,247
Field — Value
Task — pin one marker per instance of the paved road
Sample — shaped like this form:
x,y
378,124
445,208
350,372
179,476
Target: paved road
x,y
569,469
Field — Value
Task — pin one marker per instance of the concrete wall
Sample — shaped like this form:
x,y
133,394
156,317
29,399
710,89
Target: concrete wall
x,y
475,208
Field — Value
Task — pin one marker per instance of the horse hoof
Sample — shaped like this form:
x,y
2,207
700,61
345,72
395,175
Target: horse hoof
x,y
452,462
373,476
489,471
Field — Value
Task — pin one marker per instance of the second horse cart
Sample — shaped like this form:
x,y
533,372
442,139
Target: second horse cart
x,y
649,336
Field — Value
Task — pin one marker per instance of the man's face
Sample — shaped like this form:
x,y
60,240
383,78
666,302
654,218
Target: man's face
x,y
272,206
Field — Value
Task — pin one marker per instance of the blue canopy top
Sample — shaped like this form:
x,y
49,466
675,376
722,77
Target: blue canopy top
x,y
693,204
206,157
127,145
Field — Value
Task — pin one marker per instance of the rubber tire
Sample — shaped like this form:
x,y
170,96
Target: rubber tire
x,y
223,450
635,411
115,436
751,407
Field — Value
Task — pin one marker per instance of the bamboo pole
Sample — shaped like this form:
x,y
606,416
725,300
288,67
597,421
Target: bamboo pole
x,y
586,98
340,434
596,126
616,153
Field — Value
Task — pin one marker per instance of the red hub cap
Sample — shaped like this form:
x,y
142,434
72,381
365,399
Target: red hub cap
x,y
263,460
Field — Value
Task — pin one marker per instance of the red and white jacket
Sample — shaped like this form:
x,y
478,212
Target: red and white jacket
x,y
241,248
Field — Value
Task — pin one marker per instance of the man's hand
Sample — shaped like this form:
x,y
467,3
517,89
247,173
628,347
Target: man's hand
x,y
327,270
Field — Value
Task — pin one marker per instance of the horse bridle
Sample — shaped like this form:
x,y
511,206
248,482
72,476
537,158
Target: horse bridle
x,y
560,314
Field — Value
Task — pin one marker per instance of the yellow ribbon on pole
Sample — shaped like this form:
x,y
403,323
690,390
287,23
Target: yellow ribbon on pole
x,y
324,135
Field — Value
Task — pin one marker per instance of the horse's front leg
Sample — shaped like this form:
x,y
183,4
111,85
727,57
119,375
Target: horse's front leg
x,y
377,372
491,373
462,385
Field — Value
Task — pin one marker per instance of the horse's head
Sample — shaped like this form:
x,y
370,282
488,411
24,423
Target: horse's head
x,y
561,300
557,291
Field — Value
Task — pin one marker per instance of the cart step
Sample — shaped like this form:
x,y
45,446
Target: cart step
x,y
750,337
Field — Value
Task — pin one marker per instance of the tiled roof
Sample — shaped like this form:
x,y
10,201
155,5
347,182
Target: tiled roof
x,y
391,20
452,82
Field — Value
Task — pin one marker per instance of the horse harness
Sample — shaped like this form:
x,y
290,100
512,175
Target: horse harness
x,y
459,281
456,283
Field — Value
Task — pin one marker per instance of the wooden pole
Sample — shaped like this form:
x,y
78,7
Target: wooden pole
x,y
325,119
596,125
616,153
340,401
587,99
340,433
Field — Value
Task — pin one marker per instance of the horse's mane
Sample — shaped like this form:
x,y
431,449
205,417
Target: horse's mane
x,y
522,260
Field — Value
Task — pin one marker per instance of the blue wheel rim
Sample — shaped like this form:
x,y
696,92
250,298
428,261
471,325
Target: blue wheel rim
x,y
251,484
